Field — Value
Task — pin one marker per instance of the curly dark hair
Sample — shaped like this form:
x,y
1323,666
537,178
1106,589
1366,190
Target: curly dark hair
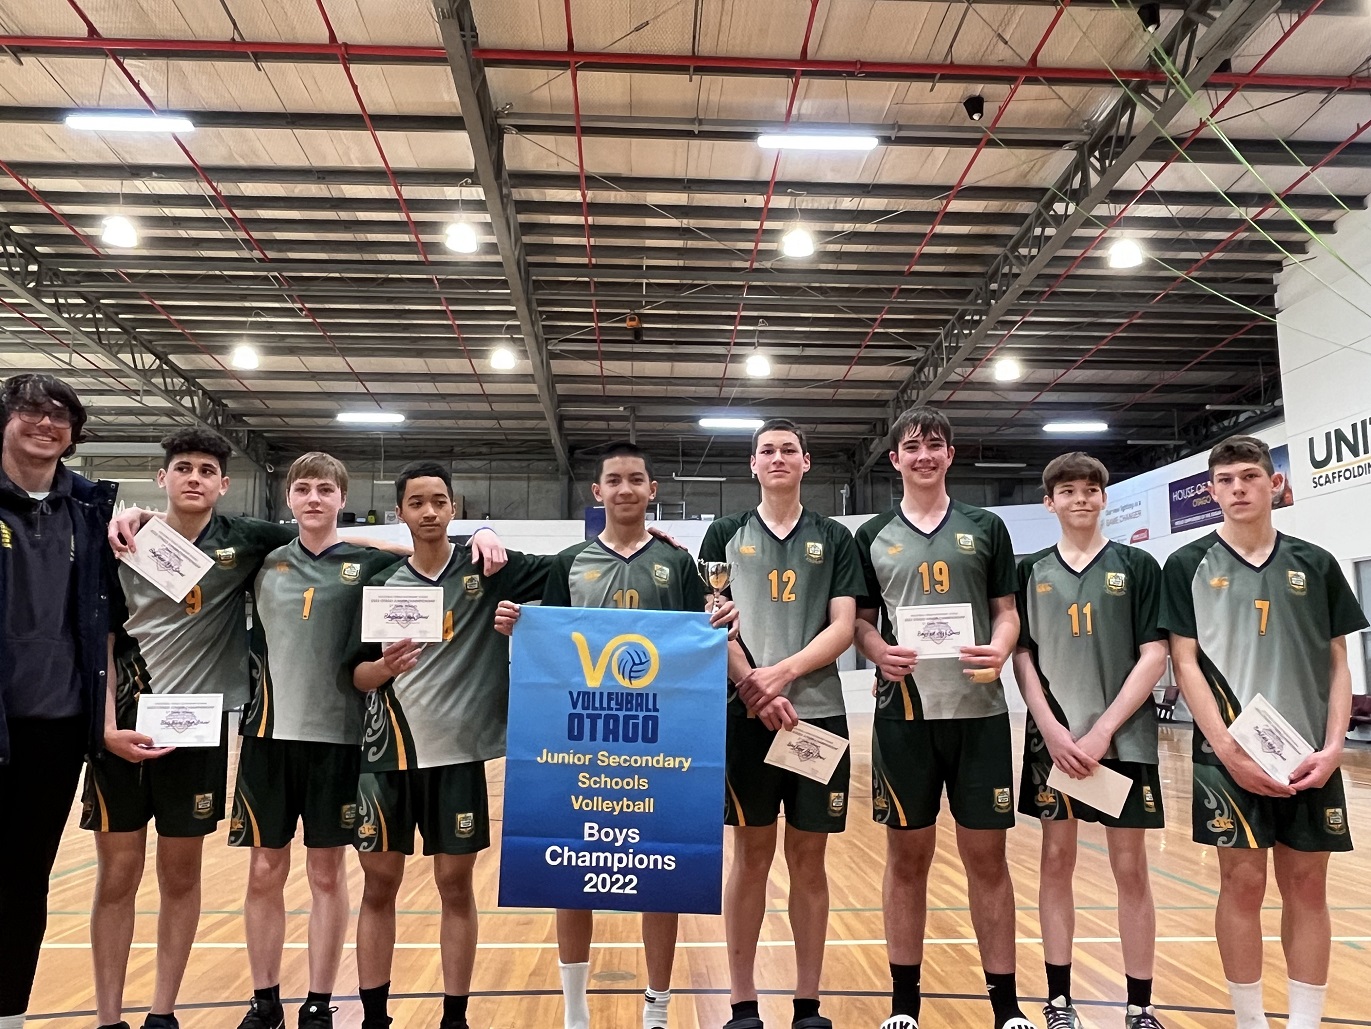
x,y
36,390
195,440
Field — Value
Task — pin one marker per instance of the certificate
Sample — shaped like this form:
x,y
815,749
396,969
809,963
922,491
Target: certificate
x,y
935,630
181,719
167,559
1103,789
1269,739
392,613
808,750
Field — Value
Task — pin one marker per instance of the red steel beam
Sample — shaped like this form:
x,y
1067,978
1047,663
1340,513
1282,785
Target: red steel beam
x,y
591,60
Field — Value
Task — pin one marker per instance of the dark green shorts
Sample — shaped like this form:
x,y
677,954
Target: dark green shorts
x,y
182,792
282,782
447,804
912,761
756,791
1223,814
1142,809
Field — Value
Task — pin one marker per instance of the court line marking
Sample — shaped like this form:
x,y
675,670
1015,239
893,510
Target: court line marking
x,y
950,941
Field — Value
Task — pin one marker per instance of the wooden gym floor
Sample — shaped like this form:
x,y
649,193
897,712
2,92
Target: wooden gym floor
x,y
516,983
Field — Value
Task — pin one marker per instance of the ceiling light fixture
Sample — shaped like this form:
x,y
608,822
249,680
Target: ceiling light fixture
x,y
1125,253
503,359
735,424
118,231
461,238
758,366
816,141
370,417
1153,442
128,121
1000,464
1008,369
1075,427
797,243
245,356
677,477
974,107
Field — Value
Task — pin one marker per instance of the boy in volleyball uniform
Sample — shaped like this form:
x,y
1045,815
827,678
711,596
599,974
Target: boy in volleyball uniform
x,y
435,713
1252,612
192,645
1089,654
624,567
795,581
940,722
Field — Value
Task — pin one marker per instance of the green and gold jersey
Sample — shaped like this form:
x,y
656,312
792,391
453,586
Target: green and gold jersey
x,y
782,588
198,644
1264,629
1084,631
453,706
967,559
658,577
305,637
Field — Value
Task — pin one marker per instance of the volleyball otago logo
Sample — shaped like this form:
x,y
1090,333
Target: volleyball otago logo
x,y
632,660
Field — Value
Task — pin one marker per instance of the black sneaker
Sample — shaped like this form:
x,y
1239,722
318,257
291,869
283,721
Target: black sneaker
x,y
262,1016
161,1022
316,1016
115,1025
461,1024
377,1023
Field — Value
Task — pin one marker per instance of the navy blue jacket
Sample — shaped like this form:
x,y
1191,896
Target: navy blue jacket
x,y
92,506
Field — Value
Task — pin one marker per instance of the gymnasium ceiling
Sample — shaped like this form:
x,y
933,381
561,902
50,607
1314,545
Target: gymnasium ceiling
x,y
335,140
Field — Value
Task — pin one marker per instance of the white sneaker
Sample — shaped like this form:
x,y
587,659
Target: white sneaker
x,y
899,1022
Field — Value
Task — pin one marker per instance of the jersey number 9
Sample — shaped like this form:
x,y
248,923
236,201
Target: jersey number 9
x,y
194,600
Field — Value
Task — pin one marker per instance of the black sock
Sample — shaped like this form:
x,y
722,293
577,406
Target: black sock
x,y
1004,996
905,998
745,1009
805,1007
1139,992
454,1009
321,999
271,996
1058,982
375,1001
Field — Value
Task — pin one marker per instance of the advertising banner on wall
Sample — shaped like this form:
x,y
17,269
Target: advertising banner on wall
x,y
1129,520
1193,507
614,780
1333,457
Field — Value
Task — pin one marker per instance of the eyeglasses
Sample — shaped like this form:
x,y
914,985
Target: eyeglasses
x,y
60,417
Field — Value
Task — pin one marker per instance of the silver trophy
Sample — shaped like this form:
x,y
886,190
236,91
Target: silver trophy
x,y
716,575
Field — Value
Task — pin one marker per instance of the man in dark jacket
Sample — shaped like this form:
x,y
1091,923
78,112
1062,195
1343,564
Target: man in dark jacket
x,y
54,658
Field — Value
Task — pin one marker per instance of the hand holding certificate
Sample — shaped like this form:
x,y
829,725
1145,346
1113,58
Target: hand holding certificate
x,y
181,719
1103,789
167,559
392,613
1269,740
808,750
935,630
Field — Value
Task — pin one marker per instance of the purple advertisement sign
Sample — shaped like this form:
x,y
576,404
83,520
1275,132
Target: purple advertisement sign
x,y
1192,506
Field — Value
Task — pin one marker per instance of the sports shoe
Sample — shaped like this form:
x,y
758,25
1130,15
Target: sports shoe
x,y
1140,1018
900,1022
1061,1017
378,1023
161,1022
744,1023
260,1016
445,1024
316,1016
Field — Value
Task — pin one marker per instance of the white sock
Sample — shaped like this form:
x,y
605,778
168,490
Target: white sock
x,y
654,1008
1306,1005
11,1022
1248,1006
575,979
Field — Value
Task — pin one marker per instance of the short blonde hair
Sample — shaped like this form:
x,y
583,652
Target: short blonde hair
x,y
318,465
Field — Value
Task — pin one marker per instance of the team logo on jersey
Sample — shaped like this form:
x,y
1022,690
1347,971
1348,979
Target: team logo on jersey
x,y
283,566
226,558
836,803
7,537
347,816
1116,583
366,830
350,572
661,575
967,542
472,585
204,805
1149,801
1299,585
748,548
893,550
1047,796
814,553
236,824
1221,823
1044,587
1334,820
466,825
1219,582
591,575
1004,796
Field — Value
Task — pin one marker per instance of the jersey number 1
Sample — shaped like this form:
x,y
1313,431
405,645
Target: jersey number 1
x,y
309,603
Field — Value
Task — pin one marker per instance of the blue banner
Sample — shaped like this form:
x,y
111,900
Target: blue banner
x,y
614,780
